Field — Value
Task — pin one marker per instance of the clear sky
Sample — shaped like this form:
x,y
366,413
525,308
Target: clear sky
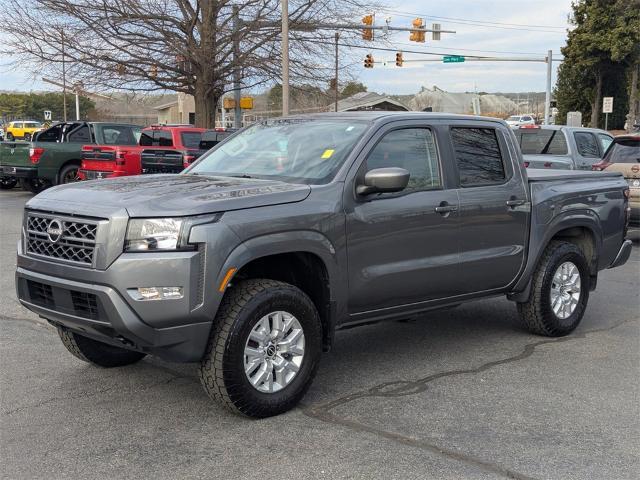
x,y
510,27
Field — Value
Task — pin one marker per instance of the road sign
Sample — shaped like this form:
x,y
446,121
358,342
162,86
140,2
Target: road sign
x,y
452,59
607,105
47,114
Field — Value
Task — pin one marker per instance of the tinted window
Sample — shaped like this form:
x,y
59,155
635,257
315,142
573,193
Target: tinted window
x,y
191,139
535,141
586,143
31,125
624,151
156,138
526,119
80,135
120,135
52,134
478,156
412,149
605,141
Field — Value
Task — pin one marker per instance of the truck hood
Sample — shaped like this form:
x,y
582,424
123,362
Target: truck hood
x,y
166,195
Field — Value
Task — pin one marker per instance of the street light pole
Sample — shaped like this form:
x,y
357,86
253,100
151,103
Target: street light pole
x,y
547,97
336,76
285,57
64,80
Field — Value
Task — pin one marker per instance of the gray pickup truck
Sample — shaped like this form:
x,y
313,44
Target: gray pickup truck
x,y
562,147
293,228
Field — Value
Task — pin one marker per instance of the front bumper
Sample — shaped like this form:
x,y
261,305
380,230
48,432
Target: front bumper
x,y
623,254
19,172
95,303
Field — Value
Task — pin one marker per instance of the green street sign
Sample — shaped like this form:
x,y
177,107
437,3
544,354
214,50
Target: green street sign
x,y
452,59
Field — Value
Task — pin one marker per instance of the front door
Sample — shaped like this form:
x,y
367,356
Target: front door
x,y
400,249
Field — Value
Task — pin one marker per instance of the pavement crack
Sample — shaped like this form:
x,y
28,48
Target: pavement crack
x,y
401,388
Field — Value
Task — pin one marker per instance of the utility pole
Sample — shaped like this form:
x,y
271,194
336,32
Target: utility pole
x,y
547,98
285,57
237,115
336,76
64,80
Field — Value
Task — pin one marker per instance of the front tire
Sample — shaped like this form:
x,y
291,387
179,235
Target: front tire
x,y
97,353
10,137
264,349
560,291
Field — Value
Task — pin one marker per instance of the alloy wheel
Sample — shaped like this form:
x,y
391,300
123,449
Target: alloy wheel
x,y
565,290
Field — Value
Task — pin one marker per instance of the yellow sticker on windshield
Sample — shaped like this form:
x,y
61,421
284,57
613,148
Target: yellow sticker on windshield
x,y
327,153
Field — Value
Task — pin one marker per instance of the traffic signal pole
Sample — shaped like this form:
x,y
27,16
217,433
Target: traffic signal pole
x,y
285,57
547,97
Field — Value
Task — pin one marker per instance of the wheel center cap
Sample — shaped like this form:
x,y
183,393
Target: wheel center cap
x,y
271,350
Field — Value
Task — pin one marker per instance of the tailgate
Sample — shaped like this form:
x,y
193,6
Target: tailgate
x,y
557,162
161,161
15,154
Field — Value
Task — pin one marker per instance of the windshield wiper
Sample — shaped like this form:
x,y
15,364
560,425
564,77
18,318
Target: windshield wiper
x,y
243,175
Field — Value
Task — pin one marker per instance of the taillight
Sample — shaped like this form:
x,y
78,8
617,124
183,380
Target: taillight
x,y
187,159
120,158
547,164
526,164
35,154
598,167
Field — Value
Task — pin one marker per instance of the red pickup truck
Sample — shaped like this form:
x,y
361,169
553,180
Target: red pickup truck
x,y
161,149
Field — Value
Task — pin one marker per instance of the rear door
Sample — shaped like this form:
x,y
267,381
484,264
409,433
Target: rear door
x,y
494,206
588,149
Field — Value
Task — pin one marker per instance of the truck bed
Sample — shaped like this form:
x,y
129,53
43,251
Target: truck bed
x,y
540,175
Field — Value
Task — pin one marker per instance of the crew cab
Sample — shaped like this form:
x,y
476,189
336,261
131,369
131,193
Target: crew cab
x,y
252,258
562,147
55,154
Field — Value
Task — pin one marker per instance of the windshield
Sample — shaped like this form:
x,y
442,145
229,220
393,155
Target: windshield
x,y
542,142
293,150
624,151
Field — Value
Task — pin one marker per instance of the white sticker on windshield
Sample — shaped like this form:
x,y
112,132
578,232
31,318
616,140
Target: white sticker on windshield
x,y
349,128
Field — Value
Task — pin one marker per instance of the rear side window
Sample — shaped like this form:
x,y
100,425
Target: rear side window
x,y
624,151
120,135
156,138
542,142
31,125
586,143
413,149
52,134
191,139
478,156
81,135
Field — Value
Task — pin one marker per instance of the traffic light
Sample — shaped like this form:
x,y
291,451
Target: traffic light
x,y
367,33
399,59
417,35
368,61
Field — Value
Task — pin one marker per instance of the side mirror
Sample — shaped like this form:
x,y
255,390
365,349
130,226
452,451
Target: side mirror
x,y
384,180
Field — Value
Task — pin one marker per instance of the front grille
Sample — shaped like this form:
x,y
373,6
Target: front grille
x,y
75,243
72,302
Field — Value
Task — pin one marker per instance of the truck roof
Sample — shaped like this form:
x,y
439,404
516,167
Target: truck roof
x,y
374,115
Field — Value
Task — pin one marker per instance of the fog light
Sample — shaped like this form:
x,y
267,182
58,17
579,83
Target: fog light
x,y
156,293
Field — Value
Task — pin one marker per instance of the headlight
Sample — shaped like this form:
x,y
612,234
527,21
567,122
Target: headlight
x,y
162,234
154,234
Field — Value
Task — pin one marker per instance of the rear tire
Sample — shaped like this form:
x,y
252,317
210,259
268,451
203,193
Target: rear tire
x,y
69,174
27,137
273,380
7,183
97,353
34,185
560,291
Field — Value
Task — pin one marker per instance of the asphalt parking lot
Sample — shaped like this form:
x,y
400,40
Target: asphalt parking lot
x,y
465,393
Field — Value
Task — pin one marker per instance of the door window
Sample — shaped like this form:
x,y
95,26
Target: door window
x,y
605,141
587,145
478,156
413,149
52,134
81,135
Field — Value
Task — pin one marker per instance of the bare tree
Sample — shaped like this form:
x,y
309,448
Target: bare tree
x,y
189,46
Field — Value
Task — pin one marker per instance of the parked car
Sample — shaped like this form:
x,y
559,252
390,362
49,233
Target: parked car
x,y
22,129
562,147
623,156
55,155
180,147
106,161
252,258
516,121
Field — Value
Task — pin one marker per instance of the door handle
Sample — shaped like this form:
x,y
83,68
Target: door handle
x,y
515,203
446,208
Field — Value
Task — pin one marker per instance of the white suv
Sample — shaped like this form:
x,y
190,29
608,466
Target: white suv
x,y
516,121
